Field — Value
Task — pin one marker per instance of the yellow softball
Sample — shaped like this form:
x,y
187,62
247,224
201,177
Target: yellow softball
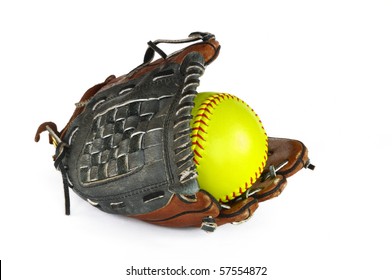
x,y
229,143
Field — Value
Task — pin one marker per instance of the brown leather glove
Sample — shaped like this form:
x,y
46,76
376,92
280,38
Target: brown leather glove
x,y
127,147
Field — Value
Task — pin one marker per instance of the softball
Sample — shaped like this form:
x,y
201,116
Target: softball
x,y
229,143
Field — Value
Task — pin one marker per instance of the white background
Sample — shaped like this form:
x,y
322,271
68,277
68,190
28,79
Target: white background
x,y
318,71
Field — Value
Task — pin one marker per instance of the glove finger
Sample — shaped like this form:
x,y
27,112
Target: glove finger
x,y
268,189
239,211
183,212
287,156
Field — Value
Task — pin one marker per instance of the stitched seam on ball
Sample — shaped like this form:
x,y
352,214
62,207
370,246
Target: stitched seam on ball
x,y
202,118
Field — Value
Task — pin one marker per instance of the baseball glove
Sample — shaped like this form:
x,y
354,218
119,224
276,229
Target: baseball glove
x,y
127,148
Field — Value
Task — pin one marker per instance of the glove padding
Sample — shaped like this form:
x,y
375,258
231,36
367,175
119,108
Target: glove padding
x,y
127,147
